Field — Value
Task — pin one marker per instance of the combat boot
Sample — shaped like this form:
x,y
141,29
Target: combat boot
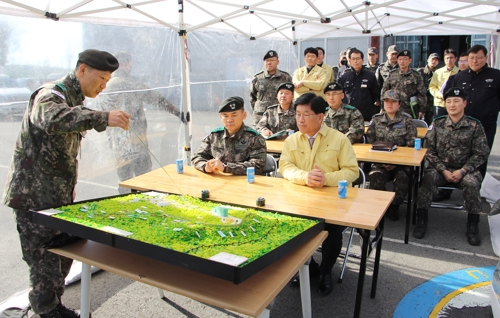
x,y
62,312
473,229
421,228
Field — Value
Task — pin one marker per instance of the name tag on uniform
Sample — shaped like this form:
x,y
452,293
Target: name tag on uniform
x,y
398,125
364,86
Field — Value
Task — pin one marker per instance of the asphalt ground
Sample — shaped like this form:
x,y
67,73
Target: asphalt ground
x,y
402,268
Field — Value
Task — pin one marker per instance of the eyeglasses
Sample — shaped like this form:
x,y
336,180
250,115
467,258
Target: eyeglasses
x,y
477,58
463,62
355,59
305,116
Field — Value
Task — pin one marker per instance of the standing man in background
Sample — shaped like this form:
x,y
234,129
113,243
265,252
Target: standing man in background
x,y
391,63
439,80
426,73
372,64
463,61
264,85
340,68
328,69
311,77
43,172
360,86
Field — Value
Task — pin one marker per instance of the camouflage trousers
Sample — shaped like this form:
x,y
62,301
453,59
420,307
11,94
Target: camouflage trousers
x,y
470,185
47,270
379,176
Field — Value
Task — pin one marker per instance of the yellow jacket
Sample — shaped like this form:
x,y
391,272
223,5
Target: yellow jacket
x,y
438,81
314,81
329,72
332,152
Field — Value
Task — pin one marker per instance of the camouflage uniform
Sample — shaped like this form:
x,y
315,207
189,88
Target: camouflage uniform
x,y
276,120
372,68
43,174
132,157
452,147
383,71
408,84
426,74
246,148
348,120
402,132
263,91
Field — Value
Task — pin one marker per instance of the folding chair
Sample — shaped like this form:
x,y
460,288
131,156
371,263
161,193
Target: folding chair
x,y
271,167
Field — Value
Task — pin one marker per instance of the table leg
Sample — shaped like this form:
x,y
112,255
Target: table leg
x,y
409,205
85,291
415,194
305,291
265,313
365,234
377,259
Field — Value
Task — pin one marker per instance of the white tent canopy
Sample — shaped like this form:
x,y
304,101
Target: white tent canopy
x,y
275,18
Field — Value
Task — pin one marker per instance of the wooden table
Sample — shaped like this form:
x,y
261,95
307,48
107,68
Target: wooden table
x,y
404,156
421,131
362,209
249,297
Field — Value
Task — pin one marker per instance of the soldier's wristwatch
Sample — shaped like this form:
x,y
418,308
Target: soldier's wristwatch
x,y
462,171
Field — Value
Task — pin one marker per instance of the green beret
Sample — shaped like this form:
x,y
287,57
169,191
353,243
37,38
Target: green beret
x,y
287,86
455,92
99,60
333,86
231,104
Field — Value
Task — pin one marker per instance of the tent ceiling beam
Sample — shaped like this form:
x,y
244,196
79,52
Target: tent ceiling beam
x,y
274,29
324,19
76,6
31,9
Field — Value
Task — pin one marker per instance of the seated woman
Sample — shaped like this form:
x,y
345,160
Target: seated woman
x,y
280,116
395,126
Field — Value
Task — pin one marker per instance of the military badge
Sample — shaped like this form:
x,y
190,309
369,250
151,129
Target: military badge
x,y
457,92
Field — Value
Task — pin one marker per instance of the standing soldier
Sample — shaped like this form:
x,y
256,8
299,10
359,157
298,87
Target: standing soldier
x,y
427,73
234,147
280,116
264,85
457,147
372,64
409,84
43,172
391,63
344,118
395,126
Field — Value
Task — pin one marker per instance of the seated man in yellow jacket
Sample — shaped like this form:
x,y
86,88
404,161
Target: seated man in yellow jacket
x,y
319,156
311,77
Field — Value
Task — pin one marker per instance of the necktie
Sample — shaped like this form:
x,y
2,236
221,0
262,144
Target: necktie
x,y
311,141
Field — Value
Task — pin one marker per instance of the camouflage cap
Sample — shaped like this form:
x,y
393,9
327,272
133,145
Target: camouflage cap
x,y
393,49
231,104
270,53
455,92
405,53
333,86
391,94
433,56
287,86
372,50
99,60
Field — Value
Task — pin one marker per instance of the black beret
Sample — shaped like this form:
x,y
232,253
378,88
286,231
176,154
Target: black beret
x,y
231,104
288,86
99,60
270,53
333,86
404,53
455,92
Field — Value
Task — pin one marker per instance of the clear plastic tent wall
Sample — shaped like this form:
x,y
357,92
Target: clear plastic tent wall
x,y
35,51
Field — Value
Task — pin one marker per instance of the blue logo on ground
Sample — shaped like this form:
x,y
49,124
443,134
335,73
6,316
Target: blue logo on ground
x,y
436,297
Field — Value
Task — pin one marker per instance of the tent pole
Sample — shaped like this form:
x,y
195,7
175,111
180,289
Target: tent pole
x,y
186,101
497,49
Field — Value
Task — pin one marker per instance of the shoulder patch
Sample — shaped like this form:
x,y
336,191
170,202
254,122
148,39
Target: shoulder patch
x,y
53,91
61,86
440,117
473,118
218,129
258,73
251,130
350,107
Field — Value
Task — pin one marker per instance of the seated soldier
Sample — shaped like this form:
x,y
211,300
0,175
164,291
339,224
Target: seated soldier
x,y
280,116
319,156
342,117
393,126
234,147
457,146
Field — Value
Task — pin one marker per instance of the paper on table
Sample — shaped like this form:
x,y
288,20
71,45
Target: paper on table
x,y
230,259
279,133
